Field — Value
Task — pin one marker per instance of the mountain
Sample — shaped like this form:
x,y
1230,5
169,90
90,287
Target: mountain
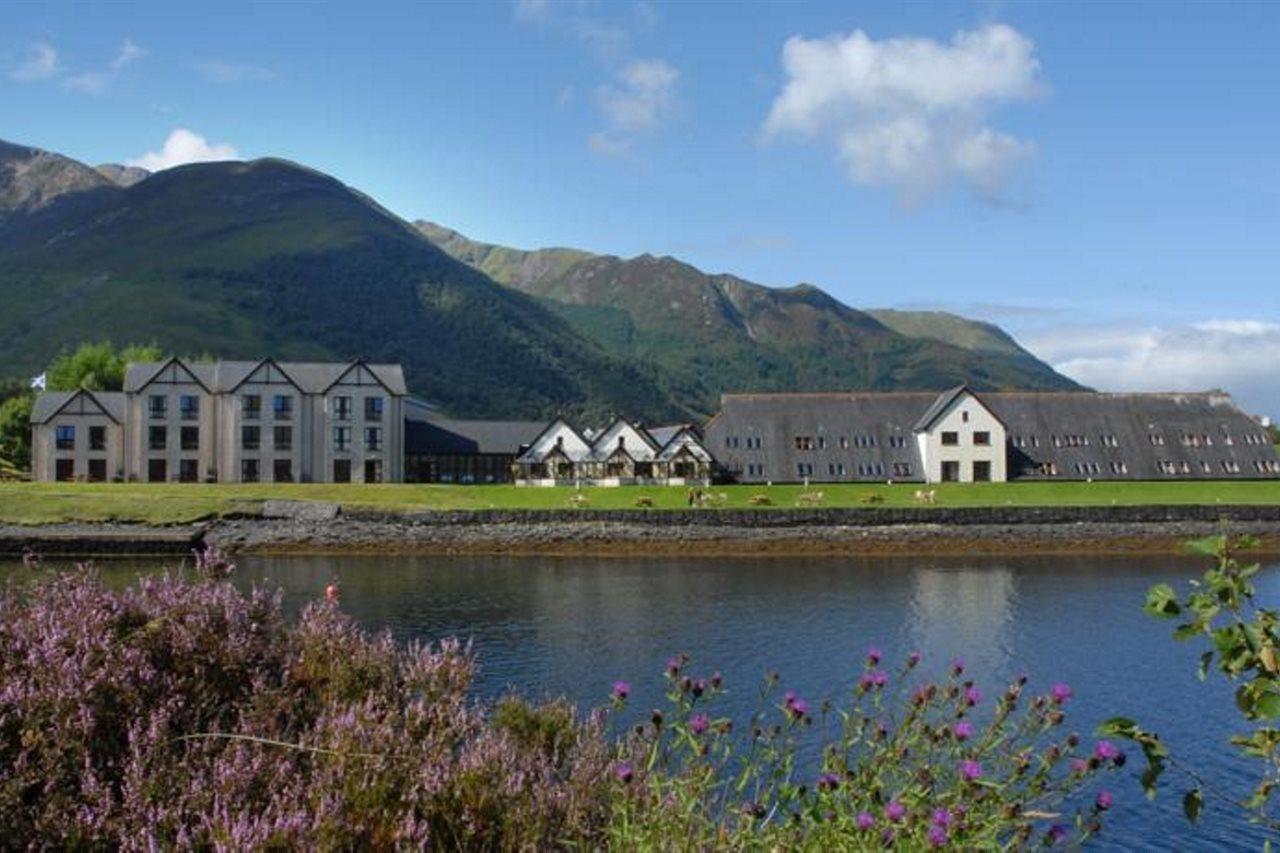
x,y
245,259
715,333
267,257
125,176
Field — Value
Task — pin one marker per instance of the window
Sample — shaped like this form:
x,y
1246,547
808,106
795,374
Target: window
x,y
189,406
97,470
1119,468
282,438
844,442
804,442
282,471
342,408
157,406
157,471
157,438
342,470
97,438
1156,439
190,438
1109,440
373,470
282,407
804,469
1231,466
65,437
250,437
64,470
950,471
964,417
950,439
982,439
252,407
188,470
373,438
342,439
373,408
902,469
982,472
898,441
822,442
249,471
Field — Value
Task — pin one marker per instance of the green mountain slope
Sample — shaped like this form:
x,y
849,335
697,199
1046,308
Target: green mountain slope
x,y
716,333
267,257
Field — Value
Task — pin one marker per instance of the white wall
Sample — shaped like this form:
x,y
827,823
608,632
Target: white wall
x,y
965,416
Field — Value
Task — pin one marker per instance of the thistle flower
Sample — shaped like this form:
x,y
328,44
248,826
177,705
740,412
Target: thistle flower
x,y
795,707
1060,693
621,690
937,836
970,770
873,656
957,666
913,660
895,811
828,782
972,696
943,817
1056,834
864,821
962,731
1104,800
1105,750
699,723
623,771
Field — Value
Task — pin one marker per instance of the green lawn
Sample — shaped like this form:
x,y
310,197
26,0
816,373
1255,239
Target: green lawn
x,y
37,503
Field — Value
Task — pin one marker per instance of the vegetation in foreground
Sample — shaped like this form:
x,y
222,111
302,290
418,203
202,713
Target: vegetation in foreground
x,y
183,713
173,503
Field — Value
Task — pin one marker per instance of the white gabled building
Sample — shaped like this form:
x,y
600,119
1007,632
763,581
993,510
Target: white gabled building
x,y
961,440
228,421
623,453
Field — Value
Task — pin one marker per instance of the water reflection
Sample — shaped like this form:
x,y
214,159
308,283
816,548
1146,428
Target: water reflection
x,y
572,626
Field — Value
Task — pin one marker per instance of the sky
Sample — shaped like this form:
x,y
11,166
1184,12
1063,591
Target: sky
x,y
1102,180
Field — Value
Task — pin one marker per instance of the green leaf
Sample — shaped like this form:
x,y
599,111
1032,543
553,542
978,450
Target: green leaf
x,y
1267,706
1192,803
1210,546
1203,669
1119,727
1162,601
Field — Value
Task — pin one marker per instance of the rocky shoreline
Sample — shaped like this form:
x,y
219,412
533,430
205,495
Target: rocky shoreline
x,y
325,528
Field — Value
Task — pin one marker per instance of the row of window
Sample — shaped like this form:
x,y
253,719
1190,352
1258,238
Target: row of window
x,y
837,469
251,407
64,437
808,442
980,439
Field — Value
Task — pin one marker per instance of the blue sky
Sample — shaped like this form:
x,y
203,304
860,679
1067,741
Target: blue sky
x,y
1103,180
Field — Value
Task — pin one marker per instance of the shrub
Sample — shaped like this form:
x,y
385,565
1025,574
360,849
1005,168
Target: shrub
x,y
183,713
760,499
644,501
871,498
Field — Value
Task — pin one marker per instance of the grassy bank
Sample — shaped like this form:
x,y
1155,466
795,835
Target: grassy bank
x,y
45,503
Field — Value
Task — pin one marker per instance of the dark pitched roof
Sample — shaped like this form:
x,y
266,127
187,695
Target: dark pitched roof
x,y
945,399
439,435
50,403
311,377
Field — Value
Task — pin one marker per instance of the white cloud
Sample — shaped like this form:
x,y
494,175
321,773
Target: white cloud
x,y
41,64
128,54
183,146
1239,356
640,99
910,113
224,71
88,82
530,9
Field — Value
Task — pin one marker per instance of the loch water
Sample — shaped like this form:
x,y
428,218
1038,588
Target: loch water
x,y
572,626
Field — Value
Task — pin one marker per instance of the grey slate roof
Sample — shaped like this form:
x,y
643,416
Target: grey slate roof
x,y
49,403
939,406
854,430
311,377
443,436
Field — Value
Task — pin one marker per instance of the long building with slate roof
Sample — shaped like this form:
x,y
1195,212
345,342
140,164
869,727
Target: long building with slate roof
x,y
228,421
964,436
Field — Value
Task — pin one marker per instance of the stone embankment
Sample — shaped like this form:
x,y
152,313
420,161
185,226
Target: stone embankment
x,y
286,527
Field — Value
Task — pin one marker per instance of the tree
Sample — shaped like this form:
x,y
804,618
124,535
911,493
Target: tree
x,y
96,366
15,432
